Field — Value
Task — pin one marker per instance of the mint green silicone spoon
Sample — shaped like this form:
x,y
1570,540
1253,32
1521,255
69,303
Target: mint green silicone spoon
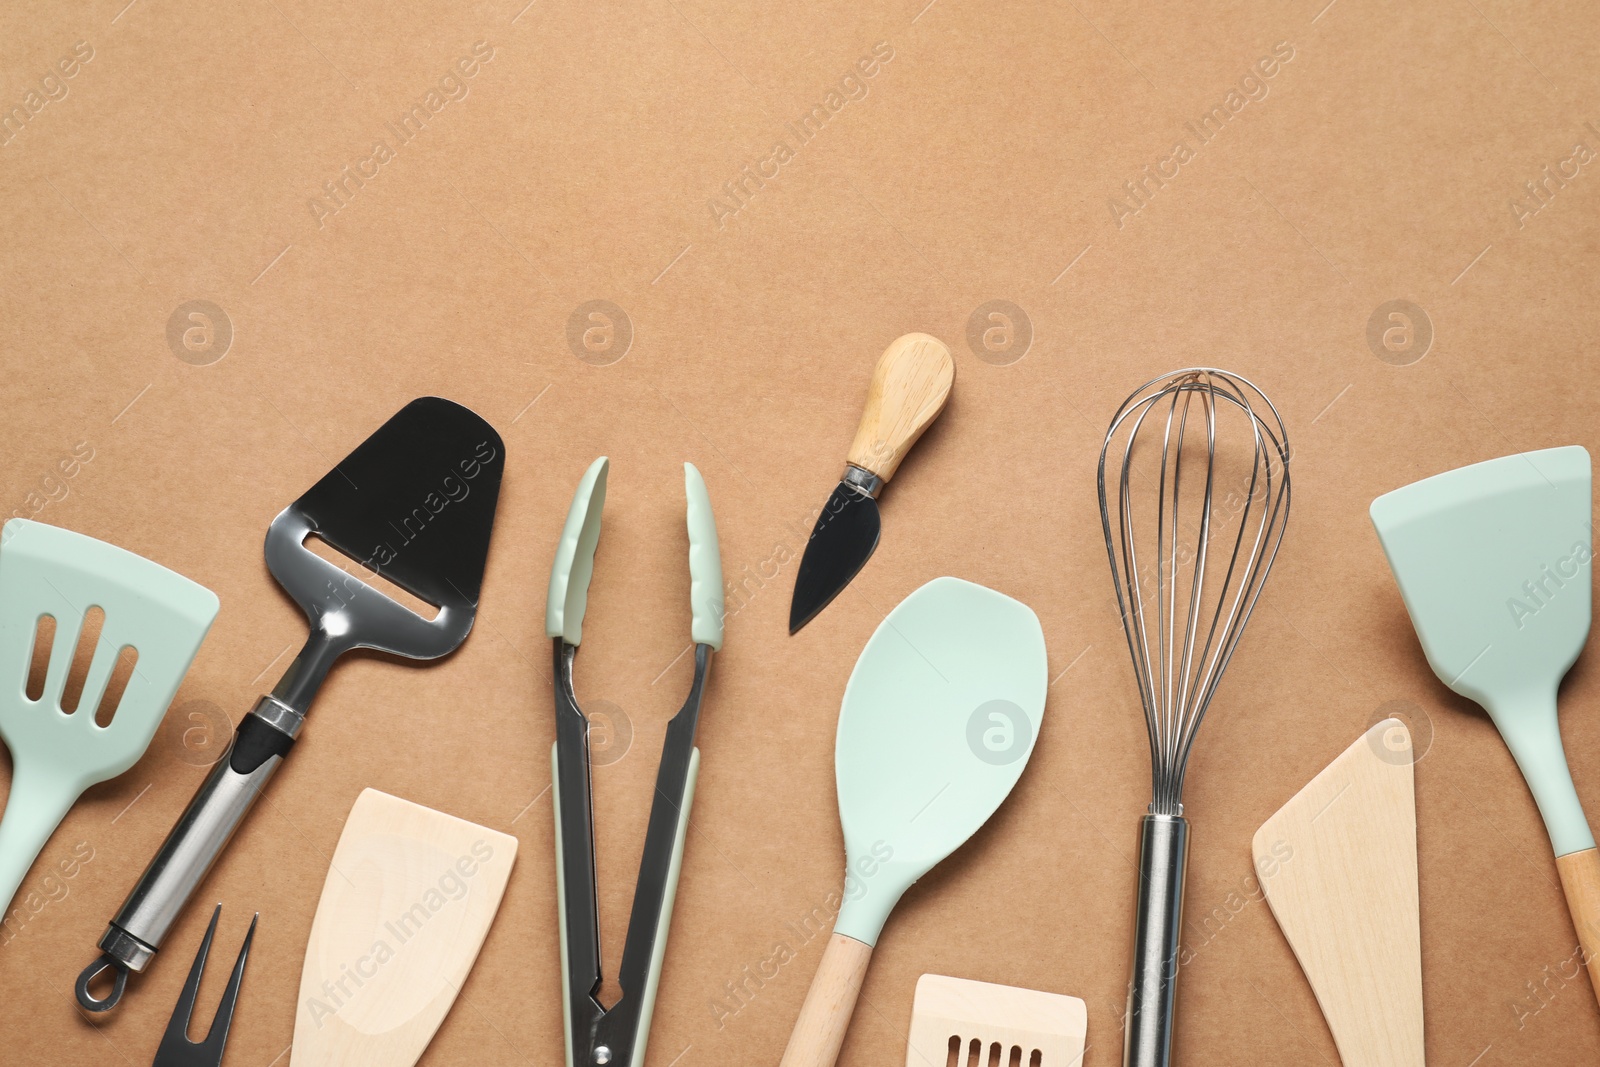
x,y
1493,561
56,755
939,718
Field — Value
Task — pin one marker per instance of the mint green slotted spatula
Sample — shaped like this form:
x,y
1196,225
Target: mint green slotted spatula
x,y
1494,563
56,755
939,718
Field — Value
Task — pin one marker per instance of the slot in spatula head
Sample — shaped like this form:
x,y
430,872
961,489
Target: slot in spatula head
x,y
414,503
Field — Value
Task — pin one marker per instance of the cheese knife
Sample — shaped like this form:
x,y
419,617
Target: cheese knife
x,y
909,388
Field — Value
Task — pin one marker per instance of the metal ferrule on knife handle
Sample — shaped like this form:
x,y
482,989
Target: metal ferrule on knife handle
x,y
258,747
862,480
1157,931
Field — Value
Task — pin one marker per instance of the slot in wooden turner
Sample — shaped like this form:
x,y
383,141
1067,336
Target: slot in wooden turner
x,y
1343,887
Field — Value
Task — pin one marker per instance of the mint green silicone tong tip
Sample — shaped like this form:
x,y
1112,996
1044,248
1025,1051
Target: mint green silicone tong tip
x,y
574,562
56,754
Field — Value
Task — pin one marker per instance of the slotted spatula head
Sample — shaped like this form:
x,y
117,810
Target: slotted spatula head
x,y
414,503
56,754
1493,561
980,1022
939,718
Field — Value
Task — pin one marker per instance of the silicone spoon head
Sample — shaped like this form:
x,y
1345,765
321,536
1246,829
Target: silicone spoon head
x,y
939,718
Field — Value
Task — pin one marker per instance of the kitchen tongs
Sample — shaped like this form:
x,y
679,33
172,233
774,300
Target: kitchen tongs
x,y
615,1036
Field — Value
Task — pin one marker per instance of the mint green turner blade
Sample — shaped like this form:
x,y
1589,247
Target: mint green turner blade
x,y
56,754
939,718
1493,561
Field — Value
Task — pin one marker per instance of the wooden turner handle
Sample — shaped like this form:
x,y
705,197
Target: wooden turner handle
x,y
909,388
1580,880
819,1032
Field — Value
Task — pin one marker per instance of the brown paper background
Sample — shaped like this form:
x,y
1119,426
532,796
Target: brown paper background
x,y
1381,165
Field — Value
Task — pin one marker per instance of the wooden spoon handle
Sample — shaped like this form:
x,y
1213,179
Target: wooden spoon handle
x,y
1580,879
909,388
819,1032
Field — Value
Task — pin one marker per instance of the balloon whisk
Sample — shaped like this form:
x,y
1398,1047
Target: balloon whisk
x,y
1193,519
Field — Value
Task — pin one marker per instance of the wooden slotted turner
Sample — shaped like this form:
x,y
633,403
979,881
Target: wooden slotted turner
x,y
1338,863
986,1023
46,572
406,907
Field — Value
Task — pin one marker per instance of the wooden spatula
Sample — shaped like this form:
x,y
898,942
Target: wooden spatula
x,y
404,911
956,1020
1339,867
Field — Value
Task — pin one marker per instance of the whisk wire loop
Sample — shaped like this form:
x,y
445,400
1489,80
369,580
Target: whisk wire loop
x,y
1181,648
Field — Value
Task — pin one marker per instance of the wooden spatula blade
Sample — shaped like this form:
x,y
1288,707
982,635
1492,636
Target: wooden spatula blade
x,y
407,904
1338,864
959,1013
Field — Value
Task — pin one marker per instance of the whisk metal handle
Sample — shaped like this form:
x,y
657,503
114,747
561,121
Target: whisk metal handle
x,y
1157,928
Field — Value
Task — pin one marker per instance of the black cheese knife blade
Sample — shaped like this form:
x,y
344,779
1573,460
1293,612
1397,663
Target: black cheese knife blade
x,y
909,388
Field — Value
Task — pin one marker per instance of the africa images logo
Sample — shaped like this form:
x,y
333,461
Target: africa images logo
x,y
453,85
405,925
735,195
1252,87
1538,591
52,87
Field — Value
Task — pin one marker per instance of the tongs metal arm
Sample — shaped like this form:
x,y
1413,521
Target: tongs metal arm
x,y
657,885
617,1035
575,862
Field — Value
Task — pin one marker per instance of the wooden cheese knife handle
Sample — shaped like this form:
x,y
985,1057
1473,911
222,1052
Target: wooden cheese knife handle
x,y
909,388
1580,879
819,1032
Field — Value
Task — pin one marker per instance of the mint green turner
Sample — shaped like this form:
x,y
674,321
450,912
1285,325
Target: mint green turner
x,y
58,749
939,718
1494,563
